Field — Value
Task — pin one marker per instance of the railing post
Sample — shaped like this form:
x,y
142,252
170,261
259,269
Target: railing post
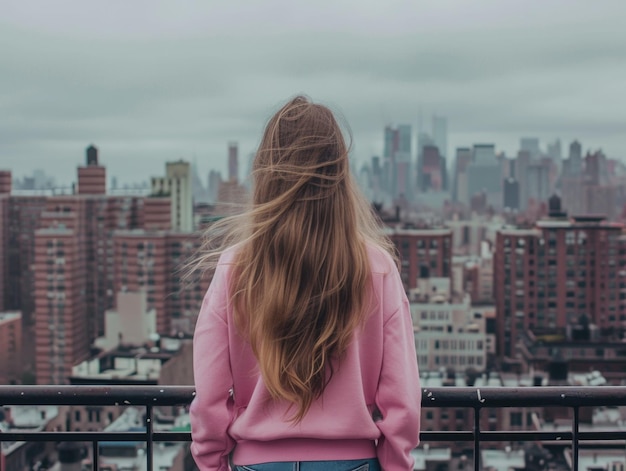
x,y
476,438
149,431
95,451
575,438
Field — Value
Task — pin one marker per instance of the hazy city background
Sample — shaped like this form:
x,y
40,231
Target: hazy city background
x,y
488,136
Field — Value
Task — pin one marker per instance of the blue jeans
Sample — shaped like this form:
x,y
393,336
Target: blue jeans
x,y
370,464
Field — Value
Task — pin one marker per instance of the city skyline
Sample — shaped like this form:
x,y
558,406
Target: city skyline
x,y
163,83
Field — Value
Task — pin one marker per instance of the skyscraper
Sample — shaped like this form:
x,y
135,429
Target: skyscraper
x,y
462,161
397,155
403,184
530,145
484,175
440,134
233,162
177,184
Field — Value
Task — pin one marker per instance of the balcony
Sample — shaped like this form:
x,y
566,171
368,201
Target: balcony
x,y
477,400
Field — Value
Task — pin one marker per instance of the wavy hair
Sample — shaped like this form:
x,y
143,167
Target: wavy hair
x,y
300,280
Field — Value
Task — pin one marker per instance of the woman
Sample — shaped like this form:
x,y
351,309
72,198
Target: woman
x,y
304,355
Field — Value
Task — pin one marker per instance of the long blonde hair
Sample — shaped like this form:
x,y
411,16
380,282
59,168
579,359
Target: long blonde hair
x,y
300,281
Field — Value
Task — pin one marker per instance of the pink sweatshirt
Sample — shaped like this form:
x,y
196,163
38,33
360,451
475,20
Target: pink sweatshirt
x,y
232,408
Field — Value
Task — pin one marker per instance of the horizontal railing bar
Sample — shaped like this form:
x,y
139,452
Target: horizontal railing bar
x,y
586,396
98,436
491,436
522,435
96,395
540,396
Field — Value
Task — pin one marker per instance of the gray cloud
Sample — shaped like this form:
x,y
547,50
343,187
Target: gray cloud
x,y
152,81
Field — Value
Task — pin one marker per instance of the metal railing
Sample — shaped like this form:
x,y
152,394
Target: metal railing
x,y
477,399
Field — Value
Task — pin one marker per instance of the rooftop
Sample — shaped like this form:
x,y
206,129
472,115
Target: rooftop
x,y
9,316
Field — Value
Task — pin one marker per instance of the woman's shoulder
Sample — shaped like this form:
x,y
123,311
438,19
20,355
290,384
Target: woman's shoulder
x,y
228,255
381,260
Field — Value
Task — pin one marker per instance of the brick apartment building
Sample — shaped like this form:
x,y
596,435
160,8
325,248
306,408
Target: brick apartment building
x,y
549,276
10,347
424,253
64,257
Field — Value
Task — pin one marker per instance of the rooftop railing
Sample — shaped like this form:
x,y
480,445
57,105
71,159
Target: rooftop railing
x,y
476,399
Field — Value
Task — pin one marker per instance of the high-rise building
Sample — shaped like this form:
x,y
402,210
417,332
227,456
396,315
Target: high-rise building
x,y
459,185
530,145
423,140
511,194
377,183
5,192
440,134
424,253
233,162
538,181
92,178
554,151
433,170
574,164
62,333
60,267
484,175
521,165
177,185
397,161
551,275
10,347
214,182
151,261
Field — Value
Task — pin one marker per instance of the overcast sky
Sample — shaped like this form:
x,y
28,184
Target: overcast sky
x,y
149,81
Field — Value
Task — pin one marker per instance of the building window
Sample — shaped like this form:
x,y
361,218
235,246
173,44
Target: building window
x,y
516,419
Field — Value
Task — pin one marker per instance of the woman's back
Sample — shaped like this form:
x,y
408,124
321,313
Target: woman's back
x,y
306,321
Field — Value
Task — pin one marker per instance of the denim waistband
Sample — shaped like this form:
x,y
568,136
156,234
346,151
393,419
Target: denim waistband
x,y
370,464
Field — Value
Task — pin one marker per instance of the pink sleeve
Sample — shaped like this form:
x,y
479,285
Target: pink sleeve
x,y
399,394
211,411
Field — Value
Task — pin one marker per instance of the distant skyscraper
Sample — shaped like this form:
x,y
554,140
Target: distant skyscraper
x,y
198,191
511,194
440,134
530,145
431,172
233,162
538,181
377,180
397,163
403,184
484,175
575,161
484,154
554,150
391,142
214,182
522,163
461,163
